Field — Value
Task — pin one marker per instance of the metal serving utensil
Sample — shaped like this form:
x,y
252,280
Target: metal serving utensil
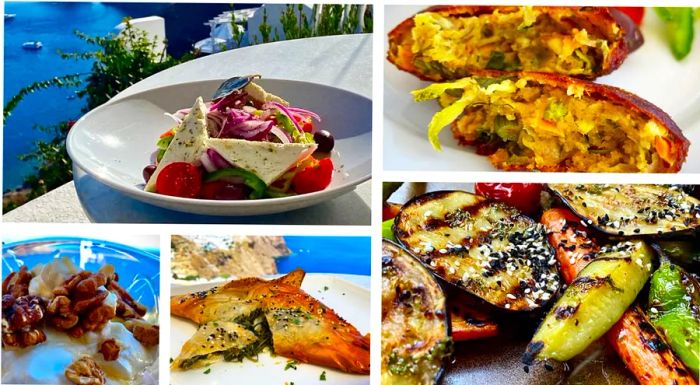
x,y
232,85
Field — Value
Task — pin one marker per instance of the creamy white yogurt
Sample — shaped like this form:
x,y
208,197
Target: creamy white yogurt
x,y
47,362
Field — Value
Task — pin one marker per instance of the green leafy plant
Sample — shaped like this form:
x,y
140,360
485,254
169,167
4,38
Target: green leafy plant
x,y
332,20
58,81
296,27
265,28
235,30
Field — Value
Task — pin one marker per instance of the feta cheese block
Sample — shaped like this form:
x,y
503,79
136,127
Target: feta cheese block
x,y
188,144
265,159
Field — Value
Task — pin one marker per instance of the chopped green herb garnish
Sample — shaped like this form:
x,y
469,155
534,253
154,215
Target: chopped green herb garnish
x,y
207,371
171,360
325,288
291,364
323,376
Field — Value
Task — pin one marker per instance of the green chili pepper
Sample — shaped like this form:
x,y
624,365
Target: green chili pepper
x,y
592,303
388,230
249,179
679,27
674,302
683,252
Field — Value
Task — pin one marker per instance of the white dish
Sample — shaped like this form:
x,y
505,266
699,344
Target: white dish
x,y
114,142
350,301
650,72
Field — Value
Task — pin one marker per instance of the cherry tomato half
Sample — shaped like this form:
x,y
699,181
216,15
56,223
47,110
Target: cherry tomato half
x,y
635,13
314,178
305,122
523,196
180,179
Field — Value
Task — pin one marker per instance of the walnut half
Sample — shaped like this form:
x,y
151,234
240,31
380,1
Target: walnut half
x,y
85,371
109,349
78,305
144,332
20,320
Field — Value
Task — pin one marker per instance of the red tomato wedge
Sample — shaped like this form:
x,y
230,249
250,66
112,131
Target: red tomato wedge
x,y
313,178
523,196
166,134
635,13
390,210
180,179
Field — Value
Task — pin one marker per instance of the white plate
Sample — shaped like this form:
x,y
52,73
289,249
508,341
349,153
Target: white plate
x,y
114,142
350,301
650,72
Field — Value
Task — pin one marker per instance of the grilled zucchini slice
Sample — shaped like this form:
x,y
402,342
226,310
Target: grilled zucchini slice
x,y
631,209
487,248
415,324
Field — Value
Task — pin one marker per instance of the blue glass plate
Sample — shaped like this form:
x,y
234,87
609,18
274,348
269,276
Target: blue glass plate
x,y
138,270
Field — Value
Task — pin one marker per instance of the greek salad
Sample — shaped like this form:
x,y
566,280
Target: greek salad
x,y
244,144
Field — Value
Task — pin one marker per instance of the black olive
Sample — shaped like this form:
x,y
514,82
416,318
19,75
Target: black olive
x,y
325,140
148,172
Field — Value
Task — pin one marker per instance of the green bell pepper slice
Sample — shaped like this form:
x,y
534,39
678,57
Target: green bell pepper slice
x,y
249,179
673,300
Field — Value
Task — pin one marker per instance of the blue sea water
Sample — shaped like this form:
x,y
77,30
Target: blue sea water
x,y
53,24
340,255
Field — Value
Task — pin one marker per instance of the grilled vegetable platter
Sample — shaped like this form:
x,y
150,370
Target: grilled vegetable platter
x,y
542,284
546,88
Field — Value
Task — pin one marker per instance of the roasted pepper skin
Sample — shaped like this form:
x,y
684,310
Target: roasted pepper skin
x,y
674,309
685,252
593,302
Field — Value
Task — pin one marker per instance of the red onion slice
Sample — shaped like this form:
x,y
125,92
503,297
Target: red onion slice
x,y
173,117
281,135
302,111
216,159
207,162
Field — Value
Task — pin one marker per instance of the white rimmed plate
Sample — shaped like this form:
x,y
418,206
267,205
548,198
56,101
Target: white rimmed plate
x,y
650,72
114,142
350,301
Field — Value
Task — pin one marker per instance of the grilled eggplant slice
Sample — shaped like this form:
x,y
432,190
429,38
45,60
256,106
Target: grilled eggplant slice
x,y
631,209
415,324
593,302
486,248
448,42
534,121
